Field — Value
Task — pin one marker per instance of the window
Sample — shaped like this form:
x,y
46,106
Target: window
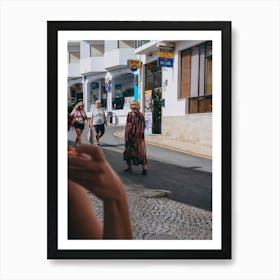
x,y
140,43
125,44
74,57
97,50
153,76
196,78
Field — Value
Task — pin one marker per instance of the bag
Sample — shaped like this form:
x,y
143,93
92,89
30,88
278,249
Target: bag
x,y
73,122
129,153
90,135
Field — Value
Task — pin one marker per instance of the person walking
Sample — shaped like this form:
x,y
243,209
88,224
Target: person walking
x,y
79,117
98,120
135,146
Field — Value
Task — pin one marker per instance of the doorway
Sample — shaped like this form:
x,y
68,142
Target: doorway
x,y
153,81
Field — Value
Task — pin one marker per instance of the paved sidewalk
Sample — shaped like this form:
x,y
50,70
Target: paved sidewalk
x,y
161,140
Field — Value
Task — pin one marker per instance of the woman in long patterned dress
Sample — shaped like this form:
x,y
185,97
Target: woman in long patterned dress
x,y
135,147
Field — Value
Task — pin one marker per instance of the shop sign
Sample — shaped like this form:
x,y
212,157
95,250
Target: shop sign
x,y
134,64
106,86
165,62
165,57
94,85
118,90
148,100
149,123
165,54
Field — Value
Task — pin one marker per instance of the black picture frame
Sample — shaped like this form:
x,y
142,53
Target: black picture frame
x,y
53,27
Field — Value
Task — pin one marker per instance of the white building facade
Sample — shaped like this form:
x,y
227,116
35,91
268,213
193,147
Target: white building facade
x,y
176,98
98,70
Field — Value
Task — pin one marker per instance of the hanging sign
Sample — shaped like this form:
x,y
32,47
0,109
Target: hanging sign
x,y
165,54
165,62
165,58
134,64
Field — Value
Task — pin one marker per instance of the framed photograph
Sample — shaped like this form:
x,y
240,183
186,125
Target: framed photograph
x,y
144,109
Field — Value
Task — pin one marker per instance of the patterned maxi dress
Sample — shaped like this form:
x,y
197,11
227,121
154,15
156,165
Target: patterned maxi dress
x,y
135,147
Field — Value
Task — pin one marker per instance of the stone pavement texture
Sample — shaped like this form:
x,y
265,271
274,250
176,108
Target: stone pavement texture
x,y
154,216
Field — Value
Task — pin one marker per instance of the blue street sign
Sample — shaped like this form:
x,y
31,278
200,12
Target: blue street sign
x,y
106,86
165,62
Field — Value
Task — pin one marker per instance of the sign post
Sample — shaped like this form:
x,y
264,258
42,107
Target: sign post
x,y
165,58
134,65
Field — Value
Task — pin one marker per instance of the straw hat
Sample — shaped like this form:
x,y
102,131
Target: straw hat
x,y
97,101
134,105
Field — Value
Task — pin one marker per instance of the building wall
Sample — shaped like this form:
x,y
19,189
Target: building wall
x,y
177,124
85,49
193,128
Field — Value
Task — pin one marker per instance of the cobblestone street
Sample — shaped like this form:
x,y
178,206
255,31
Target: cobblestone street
x,y
155,216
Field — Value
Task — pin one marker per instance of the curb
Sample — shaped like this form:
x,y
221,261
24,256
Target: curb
x,y
120,134
151,193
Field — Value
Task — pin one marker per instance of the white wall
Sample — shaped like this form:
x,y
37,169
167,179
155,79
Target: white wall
x,y
84,50
110,45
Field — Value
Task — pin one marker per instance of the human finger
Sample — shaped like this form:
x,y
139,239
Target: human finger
x,y
95,152
84,165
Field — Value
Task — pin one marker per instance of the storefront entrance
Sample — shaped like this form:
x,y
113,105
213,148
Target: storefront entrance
x,y
123,91
76,93
153,98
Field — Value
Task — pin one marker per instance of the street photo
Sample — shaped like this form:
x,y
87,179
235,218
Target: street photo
x,y
148,116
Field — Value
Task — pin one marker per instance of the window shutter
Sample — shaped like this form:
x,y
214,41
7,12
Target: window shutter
x,y
185,74
202,70
194,71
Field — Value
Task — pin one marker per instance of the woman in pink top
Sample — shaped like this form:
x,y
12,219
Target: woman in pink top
x,y
80,117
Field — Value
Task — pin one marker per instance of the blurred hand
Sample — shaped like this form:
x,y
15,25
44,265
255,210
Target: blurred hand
x,y
90,169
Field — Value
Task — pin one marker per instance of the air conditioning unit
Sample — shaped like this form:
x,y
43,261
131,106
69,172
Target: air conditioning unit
x,y
165,45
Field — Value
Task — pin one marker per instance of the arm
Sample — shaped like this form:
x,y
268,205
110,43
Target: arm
x,y
128,126
116,220
95,174
82,221
72,114
90,123
105,119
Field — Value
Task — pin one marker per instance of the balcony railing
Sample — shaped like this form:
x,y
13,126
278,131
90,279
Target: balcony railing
x,y
92,65
140,43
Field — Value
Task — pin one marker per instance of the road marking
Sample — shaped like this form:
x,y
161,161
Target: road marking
x,y
121,134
